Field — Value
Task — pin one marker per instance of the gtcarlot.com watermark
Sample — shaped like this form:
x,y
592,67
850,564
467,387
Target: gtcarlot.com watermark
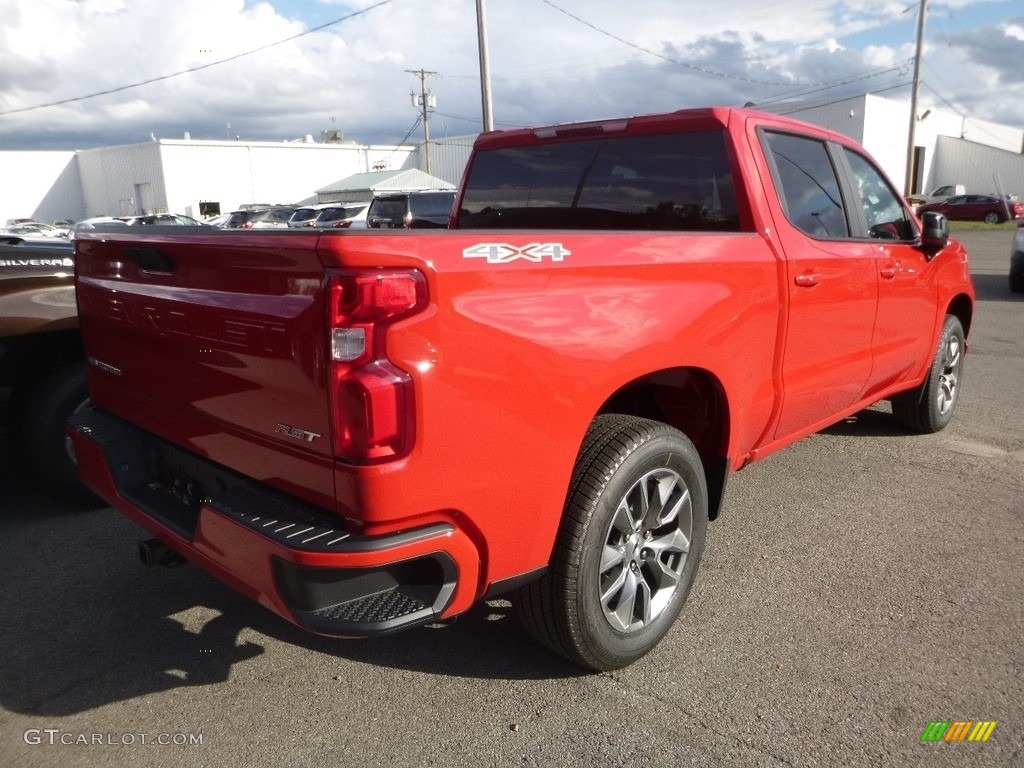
x,y
58,736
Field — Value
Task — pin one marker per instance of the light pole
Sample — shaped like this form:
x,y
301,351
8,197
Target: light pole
x,y
485,65
908,183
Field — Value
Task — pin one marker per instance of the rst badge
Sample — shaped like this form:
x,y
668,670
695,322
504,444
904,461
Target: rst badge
x,y
299,434
503,253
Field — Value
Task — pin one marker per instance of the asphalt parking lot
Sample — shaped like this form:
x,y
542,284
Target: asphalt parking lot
x,y
858,586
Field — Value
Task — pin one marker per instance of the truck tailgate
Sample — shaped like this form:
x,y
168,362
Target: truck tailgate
x,y
216,346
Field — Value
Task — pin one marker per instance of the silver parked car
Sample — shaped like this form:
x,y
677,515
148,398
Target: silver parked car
x,y
275,217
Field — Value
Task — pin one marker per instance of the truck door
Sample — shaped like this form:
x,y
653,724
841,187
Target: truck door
x,y
832,281
907,293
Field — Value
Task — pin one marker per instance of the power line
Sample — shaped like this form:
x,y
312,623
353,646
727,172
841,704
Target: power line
x,y
197,68
819,104
962,116
475,120
408,133
807,92
669,59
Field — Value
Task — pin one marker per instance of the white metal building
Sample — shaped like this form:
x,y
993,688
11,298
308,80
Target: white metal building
x,y
194,177
948,148
198,177
40,185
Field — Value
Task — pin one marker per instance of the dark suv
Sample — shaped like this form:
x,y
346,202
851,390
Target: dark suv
x,y
412,210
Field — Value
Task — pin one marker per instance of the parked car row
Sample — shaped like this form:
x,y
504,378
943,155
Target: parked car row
x,y
402,210
145,220
331,215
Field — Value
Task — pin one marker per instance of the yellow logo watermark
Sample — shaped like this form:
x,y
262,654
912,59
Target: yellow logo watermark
x,y
958,730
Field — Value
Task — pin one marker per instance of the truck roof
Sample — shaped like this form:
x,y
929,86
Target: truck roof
x,y
698,119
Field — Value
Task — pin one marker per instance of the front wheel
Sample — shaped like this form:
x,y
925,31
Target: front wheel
x,y
929,408
627,552
992,217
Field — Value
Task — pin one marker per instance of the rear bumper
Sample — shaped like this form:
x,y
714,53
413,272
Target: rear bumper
x,y
294,559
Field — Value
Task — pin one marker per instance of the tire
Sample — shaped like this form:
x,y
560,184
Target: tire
x,y
929,408
43,444
1017,282
619,576
992,217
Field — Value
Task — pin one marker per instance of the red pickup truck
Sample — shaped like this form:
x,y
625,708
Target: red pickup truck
x,y
368,431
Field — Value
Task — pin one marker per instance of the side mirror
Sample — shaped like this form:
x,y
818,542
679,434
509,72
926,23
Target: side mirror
x,y
934,232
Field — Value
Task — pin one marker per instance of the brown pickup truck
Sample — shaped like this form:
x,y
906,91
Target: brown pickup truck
x,y
42,366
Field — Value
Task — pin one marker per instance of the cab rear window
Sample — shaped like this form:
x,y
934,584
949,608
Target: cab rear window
x,y
679,182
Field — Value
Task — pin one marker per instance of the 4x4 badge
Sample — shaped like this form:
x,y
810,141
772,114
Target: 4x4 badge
x,y
503,253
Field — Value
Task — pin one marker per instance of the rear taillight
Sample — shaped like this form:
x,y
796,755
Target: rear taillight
x,y
371,399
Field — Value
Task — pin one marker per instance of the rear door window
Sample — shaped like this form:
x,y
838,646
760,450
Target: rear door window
x,y
808,185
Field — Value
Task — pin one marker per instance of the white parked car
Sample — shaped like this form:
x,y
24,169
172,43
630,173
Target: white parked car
x,y
938,195
97,221
342,216
35,229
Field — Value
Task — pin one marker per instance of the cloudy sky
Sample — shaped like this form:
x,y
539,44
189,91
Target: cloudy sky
x,y
301,66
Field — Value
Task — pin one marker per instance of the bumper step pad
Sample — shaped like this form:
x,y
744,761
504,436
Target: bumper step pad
x,y
330,597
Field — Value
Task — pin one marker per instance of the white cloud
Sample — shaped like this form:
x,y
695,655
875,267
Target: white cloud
x,y
546,66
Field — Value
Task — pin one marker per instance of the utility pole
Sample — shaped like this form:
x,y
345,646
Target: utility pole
x,y
485,65
914,92
425,101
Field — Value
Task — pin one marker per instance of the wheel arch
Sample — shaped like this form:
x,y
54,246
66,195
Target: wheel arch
x,y
963,308
691,400
32,360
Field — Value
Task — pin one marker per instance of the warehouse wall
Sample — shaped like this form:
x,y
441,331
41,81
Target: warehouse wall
x,y
40,185
982,170
232,174
122,181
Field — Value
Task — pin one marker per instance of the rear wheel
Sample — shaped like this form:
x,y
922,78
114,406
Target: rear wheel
x,y
628,549
930,407
44,445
